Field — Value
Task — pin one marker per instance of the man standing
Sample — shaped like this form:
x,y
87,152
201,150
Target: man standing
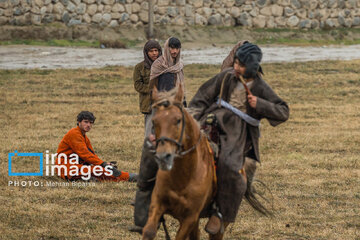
x,y
167,70
76,142
141,76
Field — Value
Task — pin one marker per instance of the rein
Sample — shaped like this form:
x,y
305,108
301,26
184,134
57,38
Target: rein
x,y
178,143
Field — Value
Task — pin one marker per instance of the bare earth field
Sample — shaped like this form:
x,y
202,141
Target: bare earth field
x,y
310,163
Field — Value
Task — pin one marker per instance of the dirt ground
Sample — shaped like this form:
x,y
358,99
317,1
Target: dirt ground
x,y
311,162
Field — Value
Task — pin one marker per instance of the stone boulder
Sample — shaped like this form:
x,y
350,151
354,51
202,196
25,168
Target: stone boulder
x,y
259,22
114,23
277,11
288,11
81,8
293,21
134,18
305,23
96,18
228,20
261,3
106,18
92,9
235,12
295,4
215,19
135,7
244,20
200,20
144,16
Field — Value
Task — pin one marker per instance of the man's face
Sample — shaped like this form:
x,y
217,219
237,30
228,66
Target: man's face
x,y
153,54
174,52
239,67
85,125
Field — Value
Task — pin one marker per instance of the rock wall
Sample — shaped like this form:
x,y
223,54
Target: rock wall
x,y
248,13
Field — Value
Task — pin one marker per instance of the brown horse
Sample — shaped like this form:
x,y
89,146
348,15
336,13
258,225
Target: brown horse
x,y
185,182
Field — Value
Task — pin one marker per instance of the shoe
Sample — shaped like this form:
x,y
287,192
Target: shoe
x,y
133,177
124,176
136,229
214,225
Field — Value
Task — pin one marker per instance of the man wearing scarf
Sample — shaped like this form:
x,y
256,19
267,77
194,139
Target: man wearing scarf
x,y
167,70
141,76
239,132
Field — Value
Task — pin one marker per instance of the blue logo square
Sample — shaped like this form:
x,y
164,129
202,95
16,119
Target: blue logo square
x,y
40,155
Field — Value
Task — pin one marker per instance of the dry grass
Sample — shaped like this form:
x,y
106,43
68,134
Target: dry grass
x,y
310,163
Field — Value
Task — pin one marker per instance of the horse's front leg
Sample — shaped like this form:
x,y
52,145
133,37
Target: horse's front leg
x,y
195,232
189,227
155,213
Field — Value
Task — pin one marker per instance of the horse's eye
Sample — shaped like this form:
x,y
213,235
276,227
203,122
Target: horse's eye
x,y
178,121
166,104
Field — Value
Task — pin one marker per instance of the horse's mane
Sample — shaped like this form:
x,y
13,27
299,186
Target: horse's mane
x,y
166,96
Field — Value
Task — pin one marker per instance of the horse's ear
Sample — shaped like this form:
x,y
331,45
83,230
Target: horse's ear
x,y
179,93
154,94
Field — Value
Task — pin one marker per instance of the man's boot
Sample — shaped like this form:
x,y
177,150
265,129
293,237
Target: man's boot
x,y
215,224
145,183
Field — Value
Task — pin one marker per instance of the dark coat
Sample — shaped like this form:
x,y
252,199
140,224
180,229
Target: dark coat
x,y
269,106
141,77
237,135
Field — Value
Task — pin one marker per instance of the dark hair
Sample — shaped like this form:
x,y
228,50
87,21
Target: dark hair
x,y
174,43
85,115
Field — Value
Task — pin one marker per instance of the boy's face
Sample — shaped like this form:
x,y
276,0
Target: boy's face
x,y
239,67
85,125
153,54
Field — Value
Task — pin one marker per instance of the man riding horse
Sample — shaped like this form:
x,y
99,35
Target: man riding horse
x,y
239,98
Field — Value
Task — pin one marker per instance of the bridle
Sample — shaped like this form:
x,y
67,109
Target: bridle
x,y
179,144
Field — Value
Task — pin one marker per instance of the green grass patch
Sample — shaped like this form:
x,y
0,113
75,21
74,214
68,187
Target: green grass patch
x,y
130,42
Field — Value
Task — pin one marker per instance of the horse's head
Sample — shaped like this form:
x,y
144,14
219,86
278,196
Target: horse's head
x,y
169,125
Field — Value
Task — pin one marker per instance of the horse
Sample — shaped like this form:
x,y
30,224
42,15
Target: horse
x,y
186,179
185,182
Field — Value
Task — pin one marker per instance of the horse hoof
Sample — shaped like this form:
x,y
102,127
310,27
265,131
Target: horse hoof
x,y
149,234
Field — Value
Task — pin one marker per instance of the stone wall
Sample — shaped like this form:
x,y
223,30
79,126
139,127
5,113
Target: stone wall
x,y
248,13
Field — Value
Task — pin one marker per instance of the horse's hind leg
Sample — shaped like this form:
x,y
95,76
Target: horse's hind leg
x,y
150,229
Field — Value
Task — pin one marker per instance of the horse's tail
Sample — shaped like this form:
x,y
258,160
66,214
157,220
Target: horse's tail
x,y
250,167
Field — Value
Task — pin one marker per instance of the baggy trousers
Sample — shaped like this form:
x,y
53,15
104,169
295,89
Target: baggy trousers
x,y
145,183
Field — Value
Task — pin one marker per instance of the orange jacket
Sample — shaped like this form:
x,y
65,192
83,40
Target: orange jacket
x,y
75,142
